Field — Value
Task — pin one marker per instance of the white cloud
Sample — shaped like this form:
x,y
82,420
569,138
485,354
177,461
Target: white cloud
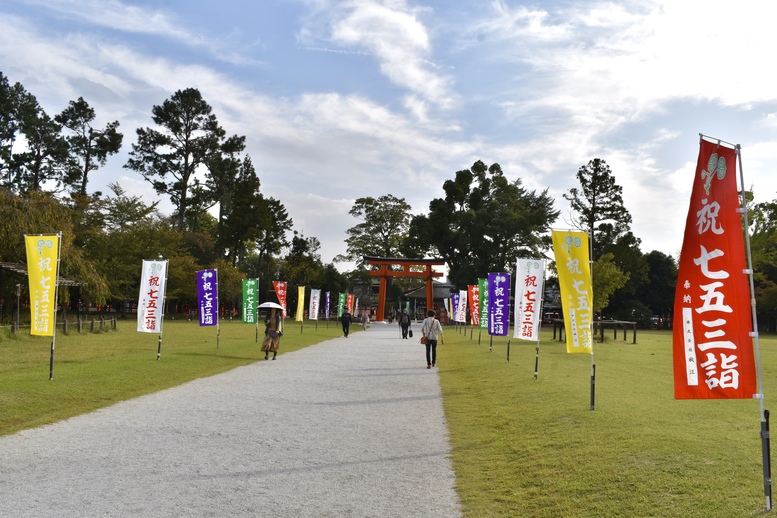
x,y
393,33
539,88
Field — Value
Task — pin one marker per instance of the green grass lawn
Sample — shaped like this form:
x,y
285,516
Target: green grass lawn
x,y
94,370
526,447
521,447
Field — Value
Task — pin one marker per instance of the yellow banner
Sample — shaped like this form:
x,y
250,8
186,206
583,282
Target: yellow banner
x,y
577,295
42,264
300,304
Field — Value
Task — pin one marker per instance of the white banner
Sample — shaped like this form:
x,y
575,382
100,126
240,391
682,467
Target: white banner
x,y
461,309
529,283
315,303
152,296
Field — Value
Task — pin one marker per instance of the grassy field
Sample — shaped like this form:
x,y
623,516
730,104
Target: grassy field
x,y
521,447
526,447
94,370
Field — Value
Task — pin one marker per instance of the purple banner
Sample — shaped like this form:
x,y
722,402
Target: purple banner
x,y
454,306
208,297
498,304
327,306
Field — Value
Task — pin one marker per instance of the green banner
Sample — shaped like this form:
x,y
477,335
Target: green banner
x,y
340,304
483,291
250,300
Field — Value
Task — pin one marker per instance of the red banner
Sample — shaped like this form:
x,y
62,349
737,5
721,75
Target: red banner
x,y
349,303
712,342
280,292
473,299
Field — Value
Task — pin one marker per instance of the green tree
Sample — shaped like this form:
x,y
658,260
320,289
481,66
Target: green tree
x,y
302,266
230,285
633,263
607,279
599,210
244,212
763,243
44,158
10,96
17,108
658,293
190,135
130,231
225,171
261,259
41,213
483,223
598,205
385,222
88,147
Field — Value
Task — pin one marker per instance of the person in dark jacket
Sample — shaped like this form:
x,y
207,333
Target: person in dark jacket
x,y
404,323
346,321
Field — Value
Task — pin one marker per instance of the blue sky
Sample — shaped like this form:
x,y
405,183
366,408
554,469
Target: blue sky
x,y
346,99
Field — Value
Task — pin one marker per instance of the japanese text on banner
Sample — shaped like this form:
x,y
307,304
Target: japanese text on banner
x,y
712,347
208,297
151,300
42,266
529,282
574,275
498,304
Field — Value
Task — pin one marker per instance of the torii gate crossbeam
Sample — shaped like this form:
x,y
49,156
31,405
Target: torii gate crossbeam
x,y
384,273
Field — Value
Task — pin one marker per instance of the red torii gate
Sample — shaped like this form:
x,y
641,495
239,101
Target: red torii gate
x,y
384,273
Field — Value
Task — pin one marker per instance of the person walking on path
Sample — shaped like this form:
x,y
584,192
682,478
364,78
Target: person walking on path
x,y
365,319
404,323
431,328
272,334
346,321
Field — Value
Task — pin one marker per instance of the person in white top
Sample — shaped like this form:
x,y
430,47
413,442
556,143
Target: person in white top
x,y
431,329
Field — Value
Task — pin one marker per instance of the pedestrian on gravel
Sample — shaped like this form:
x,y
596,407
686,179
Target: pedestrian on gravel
x,y
273,330
431,329
365,319
404,322
345,319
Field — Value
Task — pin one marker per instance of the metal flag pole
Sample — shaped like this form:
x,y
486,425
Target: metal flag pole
x,y
591,271
537,347
765,443
56,300
162,316
509,292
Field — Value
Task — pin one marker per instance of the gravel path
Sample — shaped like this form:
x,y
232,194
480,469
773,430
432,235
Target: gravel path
x,y
346,428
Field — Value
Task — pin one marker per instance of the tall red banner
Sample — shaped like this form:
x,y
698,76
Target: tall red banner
x,y
712,342
280,292
474,303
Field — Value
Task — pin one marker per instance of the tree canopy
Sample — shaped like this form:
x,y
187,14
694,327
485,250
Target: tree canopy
x,y
383,228
88,147
189,137
483,223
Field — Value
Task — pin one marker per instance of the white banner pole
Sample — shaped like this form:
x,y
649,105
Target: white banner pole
x,y
765,447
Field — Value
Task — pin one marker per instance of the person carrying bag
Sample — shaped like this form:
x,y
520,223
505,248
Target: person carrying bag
x,y
430,330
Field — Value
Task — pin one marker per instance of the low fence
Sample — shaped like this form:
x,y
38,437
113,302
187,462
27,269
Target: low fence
x,y
95,324
600,326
